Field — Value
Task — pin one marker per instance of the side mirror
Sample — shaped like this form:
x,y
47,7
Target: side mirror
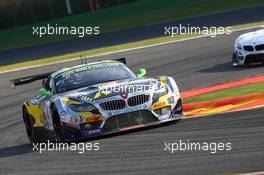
x,y
141,73
44,92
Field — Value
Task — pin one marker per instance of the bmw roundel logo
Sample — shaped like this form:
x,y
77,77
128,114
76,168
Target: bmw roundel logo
x,y
124,95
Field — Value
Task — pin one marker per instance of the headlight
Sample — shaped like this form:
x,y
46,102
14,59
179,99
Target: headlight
x,y
160,92
239,47
83,107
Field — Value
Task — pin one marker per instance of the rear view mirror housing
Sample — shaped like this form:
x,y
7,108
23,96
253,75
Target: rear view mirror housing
x,y
141,73
44,92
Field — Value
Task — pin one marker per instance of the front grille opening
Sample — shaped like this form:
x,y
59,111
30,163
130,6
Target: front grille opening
x,y
138,100
128,120
249,48
256,58
259,47
113,105
90,125
70,129
163,111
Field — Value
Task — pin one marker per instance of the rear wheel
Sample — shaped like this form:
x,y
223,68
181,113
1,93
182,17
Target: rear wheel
x,y
28,125
35,135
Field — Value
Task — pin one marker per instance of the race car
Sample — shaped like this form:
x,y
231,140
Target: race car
x,y
249,49
95,99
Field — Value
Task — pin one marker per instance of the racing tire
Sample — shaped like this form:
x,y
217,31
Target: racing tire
x,y
28,125
179,109
57,124
34,134
234,60
179,106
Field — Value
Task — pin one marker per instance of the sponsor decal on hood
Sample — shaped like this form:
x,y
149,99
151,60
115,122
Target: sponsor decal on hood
x,y
115,88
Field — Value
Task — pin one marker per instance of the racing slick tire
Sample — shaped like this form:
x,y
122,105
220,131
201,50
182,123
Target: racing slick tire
x,y
179,109
234,60
57,124
34,134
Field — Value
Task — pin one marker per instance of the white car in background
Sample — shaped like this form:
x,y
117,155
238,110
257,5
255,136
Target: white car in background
x,y
249,49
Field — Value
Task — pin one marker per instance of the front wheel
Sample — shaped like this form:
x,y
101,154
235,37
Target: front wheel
x,y
234,60
178,110
57,124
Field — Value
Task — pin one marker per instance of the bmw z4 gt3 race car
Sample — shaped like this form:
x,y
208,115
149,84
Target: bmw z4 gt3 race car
x,y
95,99
249,49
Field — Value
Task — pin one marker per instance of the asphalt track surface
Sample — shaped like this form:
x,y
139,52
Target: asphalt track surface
x,y
192,63
227,18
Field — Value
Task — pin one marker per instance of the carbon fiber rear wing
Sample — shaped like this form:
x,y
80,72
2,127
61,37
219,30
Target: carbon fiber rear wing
x,y
25,80
29,79
122,60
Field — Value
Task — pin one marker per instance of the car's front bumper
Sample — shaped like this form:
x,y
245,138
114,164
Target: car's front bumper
x,y
119,123
249,57
101,133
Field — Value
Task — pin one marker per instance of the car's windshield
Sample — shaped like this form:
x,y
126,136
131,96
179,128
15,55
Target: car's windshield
x,y
90,75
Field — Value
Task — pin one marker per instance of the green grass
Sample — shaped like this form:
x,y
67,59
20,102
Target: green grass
x,y
135,14
53,59
229,92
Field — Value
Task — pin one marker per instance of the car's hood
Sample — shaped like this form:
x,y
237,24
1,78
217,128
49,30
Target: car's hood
x,y
113,88
252,38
